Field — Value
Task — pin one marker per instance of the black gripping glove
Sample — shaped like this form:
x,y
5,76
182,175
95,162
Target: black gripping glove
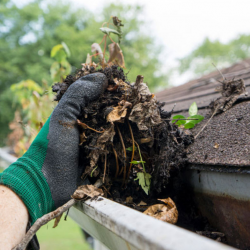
x,y
46,176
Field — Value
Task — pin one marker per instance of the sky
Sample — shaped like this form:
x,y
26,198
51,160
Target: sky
x,y
181,25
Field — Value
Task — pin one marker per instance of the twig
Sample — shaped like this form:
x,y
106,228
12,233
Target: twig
x,y
173,108
102,40
66,215
219,72
105,167
111,39
124,150
116,160
206,123
121,171
180,119
140,156
105,43
85,126
42,221
133,151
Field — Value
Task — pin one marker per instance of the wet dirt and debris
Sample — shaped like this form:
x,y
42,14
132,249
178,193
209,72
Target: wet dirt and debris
x,y
128,142
125,135
230,91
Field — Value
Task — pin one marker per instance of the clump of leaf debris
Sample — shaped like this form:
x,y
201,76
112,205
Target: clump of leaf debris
x,y
127,141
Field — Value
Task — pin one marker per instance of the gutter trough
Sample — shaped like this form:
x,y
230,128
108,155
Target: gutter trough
x,y
121,228
222,196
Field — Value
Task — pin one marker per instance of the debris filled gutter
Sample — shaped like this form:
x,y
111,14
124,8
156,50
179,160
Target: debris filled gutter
x,y
120,227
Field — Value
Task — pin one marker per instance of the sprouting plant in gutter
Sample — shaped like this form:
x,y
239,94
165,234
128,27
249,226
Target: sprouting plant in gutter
x,y
115,52
143,177
91,175
188,122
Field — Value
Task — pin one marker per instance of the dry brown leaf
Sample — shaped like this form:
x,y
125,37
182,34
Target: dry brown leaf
x,y
145,115
115,54
89,59
216,145
142,203
112,88
57,220
117,114
145,112
87,191
123,86
166,212
125,104
83,138
129,200
89,67
105,137
96,49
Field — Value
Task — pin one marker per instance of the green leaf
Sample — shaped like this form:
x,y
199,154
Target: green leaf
x,y
61,56
67,67
54,69
144,181
131,148
56,49
66,48
189,125
193,110
36,98
199,117
179,117
107,31
137,162
26,85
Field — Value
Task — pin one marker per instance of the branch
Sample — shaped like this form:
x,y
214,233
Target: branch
x,y
42,221
207,122
181,119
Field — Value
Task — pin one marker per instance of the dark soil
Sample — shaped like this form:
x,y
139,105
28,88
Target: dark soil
x,y
163,148
164,154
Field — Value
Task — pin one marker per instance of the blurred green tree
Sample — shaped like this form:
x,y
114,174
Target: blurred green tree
x,y
28,33
200,60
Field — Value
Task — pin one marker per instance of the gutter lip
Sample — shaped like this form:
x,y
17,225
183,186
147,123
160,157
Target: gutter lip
x,y
221,168
142,231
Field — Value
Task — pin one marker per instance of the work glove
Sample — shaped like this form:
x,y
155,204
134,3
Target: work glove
x,y
47,175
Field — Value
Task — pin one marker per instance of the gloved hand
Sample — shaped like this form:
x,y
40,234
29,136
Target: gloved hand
x,y
46,176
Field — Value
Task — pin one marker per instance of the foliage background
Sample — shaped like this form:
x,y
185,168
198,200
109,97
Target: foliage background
x,y
28,33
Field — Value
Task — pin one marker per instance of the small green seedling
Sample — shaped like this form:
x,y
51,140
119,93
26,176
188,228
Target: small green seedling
x,y
131,148
143,177
137,162
91,175
188,122
144,181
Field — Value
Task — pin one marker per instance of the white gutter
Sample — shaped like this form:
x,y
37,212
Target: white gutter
x,y
122,228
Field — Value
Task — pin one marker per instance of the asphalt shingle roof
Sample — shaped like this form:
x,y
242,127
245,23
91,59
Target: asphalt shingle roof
x,y
230,130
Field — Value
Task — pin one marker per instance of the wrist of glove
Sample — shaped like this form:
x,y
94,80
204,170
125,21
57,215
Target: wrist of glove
x,y
46,176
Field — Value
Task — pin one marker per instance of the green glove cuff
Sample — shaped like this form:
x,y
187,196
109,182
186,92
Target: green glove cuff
x,y
26,179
